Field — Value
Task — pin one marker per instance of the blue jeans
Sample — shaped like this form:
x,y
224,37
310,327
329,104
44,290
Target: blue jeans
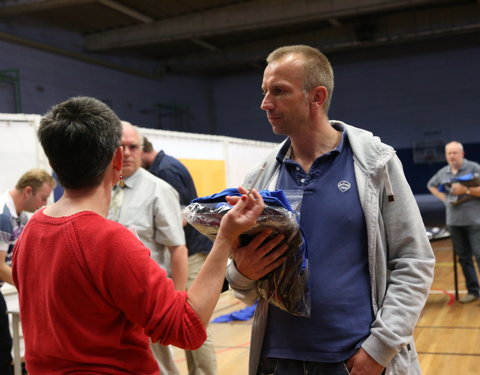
x,y
466,242
5,340
279,366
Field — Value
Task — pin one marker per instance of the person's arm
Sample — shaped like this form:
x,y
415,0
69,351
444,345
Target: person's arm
x,y
406,263
169,233
127,277
252,262
256,260
5,269
204,292
461,189
474,191
179,266
438,194
363,364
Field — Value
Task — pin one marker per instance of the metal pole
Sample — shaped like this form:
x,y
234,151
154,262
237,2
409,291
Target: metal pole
x,y
455,276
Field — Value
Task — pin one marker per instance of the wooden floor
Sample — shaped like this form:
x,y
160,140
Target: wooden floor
x,y
447,334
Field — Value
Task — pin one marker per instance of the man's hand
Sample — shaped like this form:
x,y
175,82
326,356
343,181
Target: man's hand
x,y
5,269
458,189
257,258
362,364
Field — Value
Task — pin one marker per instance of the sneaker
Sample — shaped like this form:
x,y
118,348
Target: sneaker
x,y
468,298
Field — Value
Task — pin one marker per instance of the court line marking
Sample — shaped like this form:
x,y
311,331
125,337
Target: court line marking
x,y
451,354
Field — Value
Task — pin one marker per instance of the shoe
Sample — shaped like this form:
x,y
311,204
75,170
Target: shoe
x,y
468,298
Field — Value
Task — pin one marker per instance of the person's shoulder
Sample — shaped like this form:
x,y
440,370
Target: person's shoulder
x,y
154,181
443,170
358,135
173,165
4,202
4,210
102,238
471,163
97,226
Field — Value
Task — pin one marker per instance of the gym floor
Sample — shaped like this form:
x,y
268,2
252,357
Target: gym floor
x,y
447,335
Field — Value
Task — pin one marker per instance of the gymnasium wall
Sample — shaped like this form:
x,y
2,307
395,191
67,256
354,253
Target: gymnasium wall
x,y
215,162
45,79
411,95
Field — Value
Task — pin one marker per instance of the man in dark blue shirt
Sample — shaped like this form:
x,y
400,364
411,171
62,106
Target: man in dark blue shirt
x,y
370,261
171,170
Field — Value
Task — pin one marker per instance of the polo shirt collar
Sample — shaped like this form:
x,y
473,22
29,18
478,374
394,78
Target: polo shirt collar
x,y
286,149
10,204
462,167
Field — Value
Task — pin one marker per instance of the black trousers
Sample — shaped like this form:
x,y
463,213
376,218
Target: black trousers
x,y
278,366
5,340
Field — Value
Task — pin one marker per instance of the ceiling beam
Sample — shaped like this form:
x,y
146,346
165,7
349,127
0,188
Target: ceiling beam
x,y
397,28
25,6
241,17
158,75
204,44
126,10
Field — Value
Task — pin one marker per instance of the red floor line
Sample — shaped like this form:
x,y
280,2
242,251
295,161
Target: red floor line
x,y
246,344
450,295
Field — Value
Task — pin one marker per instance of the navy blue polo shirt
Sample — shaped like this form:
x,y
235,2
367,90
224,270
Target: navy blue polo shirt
x,y
334,225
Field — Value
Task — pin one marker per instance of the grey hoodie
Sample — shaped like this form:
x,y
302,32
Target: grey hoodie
x,y
401,260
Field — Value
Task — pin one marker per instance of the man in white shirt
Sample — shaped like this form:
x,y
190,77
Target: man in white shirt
x,y
30,193
150,206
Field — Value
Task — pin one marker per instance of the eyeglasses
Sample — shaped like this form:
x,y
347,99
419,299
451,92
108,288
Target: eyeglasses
x,y
132,147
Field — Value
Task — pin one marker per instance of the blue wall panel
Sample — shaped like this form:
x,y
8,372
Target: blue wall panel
x,y
421,92
407,93
47,79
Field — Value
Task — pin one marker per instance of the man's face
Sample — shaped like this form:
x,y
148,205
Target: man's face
x,y
454,155
132,151
38,199
285,101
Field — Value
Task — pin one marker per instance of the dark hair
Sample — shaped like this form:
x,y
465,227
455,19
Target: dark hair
x,y
79,137
147,145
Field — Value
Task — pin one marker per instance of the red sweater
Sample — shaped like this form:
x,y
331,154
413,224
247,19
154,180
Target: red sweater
x,y
90,295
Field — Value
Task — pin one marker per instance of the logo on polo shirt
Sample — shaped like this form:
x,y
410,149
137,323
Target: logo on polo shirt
x,y
343,186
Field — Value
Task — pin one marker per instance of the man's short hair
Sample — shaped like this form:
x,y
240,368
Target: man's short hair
x,y
317,68
35,178
147,145
456,143
79,137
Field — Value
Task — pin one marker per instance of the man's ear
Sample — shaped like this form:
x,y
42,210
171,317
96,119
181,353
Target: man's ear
x,y
320,95
27,192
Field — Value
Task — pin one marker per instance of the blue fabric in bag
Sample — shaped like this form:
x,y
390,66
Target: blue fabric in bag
x,y
286,287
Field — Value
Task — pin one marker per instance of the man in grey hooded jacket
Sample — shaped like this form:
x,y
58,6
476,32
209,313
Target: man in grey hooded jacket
x,y
371,264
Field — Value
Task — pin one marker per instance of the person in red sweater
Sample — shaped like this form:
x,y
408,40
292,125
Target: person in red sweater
x,y
90,295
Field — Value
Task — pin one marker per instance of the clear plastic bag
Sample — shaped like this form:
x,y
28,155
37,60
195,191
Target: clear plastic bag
x,y
285,287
